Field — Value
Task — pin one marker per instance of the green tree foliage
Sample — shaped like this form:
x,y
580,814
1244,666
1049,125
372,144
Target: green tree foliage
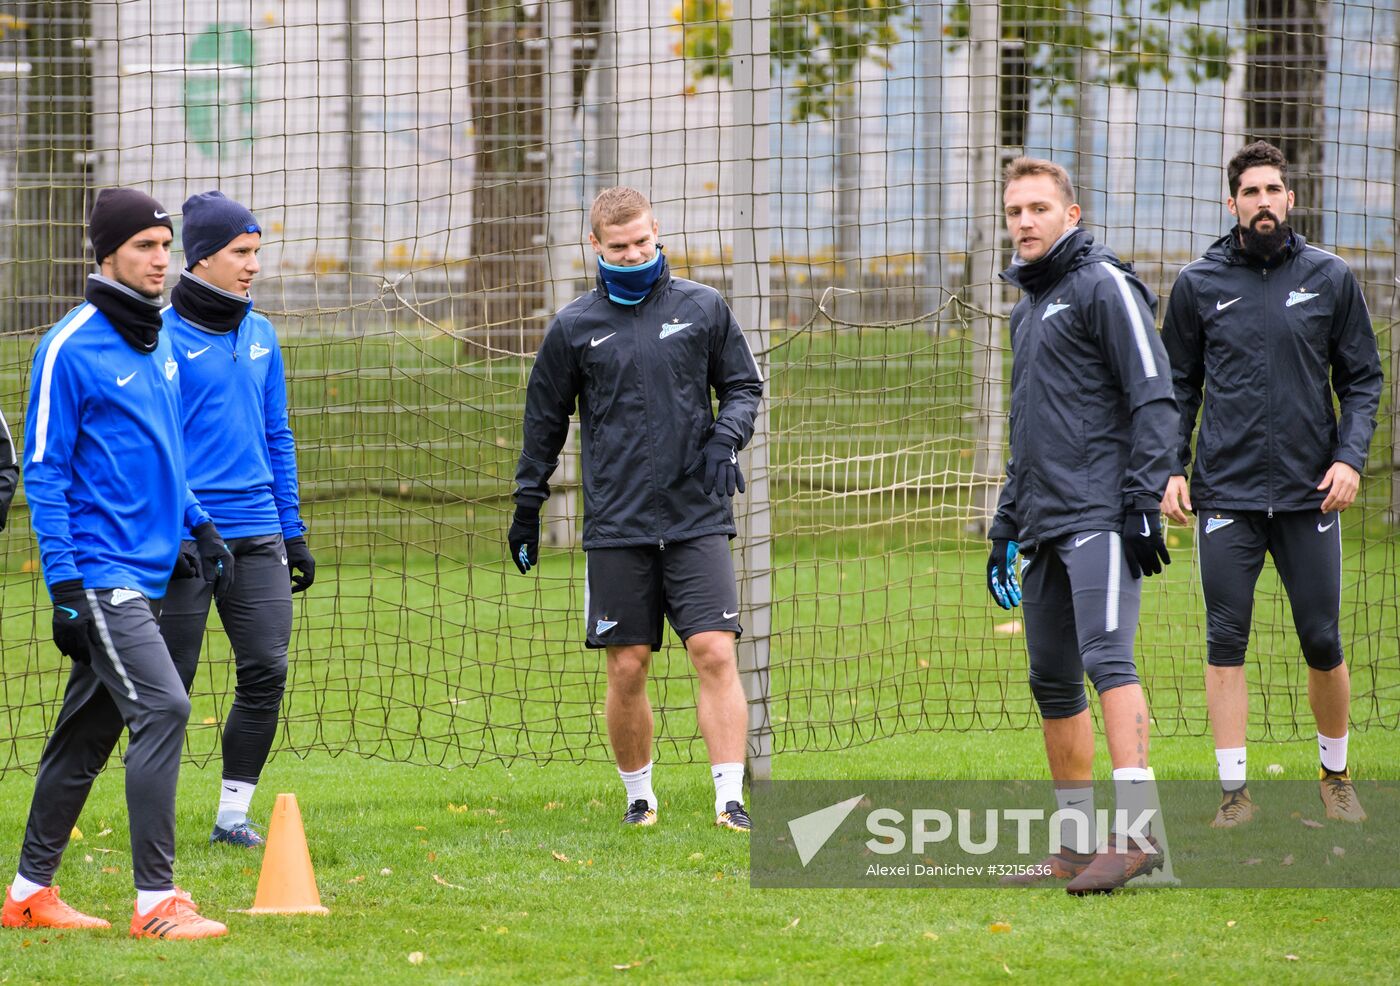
x,y
821,42
1131,47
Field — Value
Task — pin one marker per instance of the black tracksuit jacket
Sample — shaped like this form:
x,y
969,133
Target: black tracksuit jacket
x,y
1269,345
1093,423
641,376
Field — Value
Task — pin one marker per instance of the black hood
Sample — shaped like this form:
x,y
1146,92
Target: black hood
x,y
1074,250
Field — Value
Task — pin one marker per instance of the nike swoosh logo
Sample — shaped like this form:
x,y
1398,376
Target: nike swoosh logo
x,y
1220,306
195,354
1146,530
234,790
599,342
1086,540
1071,804
123,381
1324,530
162,215
728,615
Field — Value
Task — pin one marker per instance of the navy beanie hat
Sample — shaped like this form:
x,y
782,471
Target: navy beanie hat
x,y
118,214
211,222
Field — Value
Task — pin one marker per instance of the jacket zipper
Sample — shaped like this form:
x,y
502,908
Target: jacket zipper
x,y
646,410
1268,400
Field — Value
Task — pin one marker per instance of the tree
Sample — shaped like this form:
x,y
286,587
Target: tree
x,y
1285,95
1044,42
507,59
822,42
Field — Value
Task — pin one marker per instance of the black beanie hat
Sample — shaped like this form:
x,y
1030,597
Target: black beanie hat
x,y
118,215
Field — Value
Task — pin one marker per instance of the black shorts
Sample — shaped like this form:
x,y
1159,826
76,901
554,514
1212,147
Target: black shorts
x,y
1306,546
628,590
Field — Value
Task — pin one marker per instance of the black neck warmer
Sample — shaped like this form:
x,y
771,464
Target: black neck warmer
x,y
135,316
200,303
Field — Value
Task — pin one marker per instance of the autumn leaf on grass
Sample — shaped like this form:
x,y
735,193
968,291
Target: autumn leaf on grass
x,y
454,886
999,927
1010,627
623,967
415,958
792,924
1291,957
560,856
1312,824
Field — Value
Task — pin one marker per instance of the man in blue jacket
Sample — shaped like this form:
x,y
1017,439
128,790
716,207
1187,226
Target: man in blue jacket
x,y
1092,425
640,355
1269,327
242,465
105,473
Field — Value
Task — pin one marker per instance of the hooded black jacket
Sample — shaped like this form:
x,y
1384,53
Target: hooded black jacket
x,y
641,376
1092,417
1263,342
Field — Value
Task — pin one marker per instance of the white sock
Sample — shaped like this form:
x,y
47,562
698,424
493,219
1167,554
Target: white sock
x,y
23,889
1230,762
1077,830
729,784
1333,752
1134,793
638,783
234,799
147,900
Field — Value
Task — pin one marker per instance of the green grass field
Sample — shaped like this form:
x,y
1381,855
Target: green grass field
x,y
465,867
421,649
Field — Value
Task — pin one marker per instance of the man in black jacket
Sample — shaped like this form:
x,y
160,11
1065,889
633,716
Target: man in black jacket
x,y
640,354
1261,322
1092,424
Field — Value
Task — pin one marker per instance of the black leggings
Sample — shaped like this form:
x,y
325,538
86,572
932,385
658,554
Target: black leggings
x,y
1306,547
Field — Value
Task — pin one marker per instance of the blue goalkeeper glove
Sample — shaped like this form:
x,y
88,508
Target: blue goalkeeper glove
x,y
1001,573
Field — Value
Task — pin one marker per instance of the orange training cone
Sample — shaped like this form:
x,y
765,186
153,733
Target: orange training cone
x,y
286,884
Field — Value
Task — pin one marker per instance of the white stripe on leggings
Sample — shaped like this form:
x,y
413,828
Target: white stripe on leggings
x,y
1115,576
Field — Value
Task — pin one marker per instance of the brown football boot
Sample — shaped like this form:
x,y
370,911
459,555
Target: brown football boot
x,y
1112,868
1063,865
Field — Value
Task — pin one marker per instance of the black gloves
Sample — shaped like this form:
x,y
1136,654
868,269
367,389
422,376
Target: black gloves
x,y
300,565
721,461
187,561
72,620
524,536
1142,543
1002,582
215,560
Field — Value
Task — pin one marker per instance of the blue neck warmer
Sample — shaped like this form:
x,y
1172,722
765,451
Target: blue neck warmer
x,y
629,285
